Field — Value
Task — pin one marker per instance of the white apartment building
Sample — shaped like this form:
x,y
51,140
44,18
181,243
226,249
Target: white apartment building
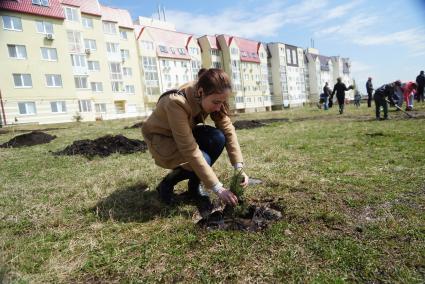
x,y
211,52
288,72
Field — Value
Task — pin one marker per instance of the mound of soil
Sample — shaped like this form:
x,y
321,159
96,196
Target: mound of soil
x,y
104,146
248,124
137,125
255,218
28,139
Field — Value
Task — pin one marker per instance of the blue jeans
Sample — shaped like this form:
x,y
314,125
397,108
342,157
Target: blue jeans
x,y
211,142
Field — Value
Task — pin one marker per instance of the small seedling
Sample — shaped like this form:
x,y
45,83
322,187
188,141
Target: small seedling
x,y
235,186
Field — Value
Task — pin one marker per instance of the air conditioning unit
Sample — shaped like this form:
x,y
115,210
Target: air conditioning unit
x,y
87,50
49,36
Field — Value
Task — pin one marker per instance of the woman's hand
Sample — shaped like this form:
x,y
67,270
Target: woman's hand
x,y
228,197
245,180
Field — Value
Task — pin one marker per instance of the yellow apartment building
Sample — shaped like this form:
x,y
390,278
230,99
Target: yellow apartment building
x,y
246,63
56,63
168,58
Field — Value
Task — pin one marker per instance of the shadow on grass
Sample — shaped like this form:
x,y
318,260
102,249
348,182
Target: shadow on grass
x,y
135,203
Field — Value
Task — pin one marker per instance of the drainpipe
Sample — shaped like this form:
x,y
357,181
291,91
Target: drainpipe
x,y
2,111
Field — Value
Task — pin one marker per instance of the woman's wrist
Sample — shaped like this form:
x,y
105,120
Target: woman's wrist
x,y
217,188
238,166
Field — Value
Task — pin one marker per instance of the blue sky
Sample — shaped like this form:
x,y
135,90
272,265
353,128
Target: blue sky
x,y
384,39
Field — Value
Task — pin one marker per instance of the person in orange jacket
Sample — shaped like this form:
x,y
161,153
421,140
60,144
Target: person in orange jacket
x,y
409,90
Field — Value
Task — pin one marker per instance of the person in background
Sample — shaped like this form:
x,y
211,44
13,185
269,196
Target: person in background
x,y
326,94
369,89
357,98
420,82
409,90
381,95
340,89
177,142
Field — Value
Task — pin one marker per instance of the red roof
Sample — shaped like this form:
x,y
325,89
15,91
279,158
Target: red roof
x,y
170,44
25,6
91,7
120,16
248,49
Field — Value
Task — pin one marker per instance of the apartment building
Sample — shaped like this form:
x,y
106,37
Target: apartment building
x,y
246,63
342,69
168,59
57,65
211,52
288,75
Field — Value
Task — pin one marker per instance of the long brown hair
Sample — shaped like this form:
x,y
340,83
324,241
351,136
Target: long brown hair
x,y
215,81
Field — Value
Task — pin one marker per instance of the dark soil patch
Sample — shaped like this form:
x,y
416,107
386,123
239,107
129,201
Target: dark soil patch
x,y
256,217
374,134
248,124
137,125
104,146
28,139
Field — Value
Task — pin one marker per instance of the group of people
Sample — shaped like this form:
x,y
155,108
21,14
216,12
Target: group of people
x,y
326,98
395,93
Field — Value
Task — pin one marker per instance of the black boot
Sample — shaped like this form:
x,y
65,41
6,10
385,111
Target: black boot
x,y
165,188
201,197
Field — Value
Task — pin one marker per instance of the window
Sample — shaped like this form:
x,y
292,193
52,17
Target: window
x,y
22,80
100,108
71,14
117,86
125,54
87,22
90,44
129,89
181,51
109,27
80,82
49,54
294,57
147,45
93,65
115,71
27,108
163,49
112,47
234,51
74,41
17,51
123,35
96,86
78,60
41,2
173,50
12,23
44,27
194,51
127,71
84,105
59,106
288,56
53,80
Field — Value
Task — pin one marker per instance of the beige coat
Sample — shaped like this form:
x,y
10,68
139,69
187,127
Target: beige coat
x,y
168,134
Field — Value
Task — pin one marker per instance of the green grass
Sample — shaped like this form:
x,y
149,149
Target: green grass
x,y
352,189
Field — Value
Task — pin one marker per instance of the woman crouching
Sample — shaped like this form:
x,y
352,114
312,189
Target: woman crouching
x,y
177,142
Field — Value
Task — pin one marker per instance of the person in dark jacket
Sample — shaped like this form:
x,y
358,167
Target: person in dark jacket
x,y
369,89
326,94
383,92
340,89
420,82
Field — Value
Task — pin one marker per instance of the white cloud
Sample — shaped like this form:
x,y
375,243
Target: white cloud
x,y
261,21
